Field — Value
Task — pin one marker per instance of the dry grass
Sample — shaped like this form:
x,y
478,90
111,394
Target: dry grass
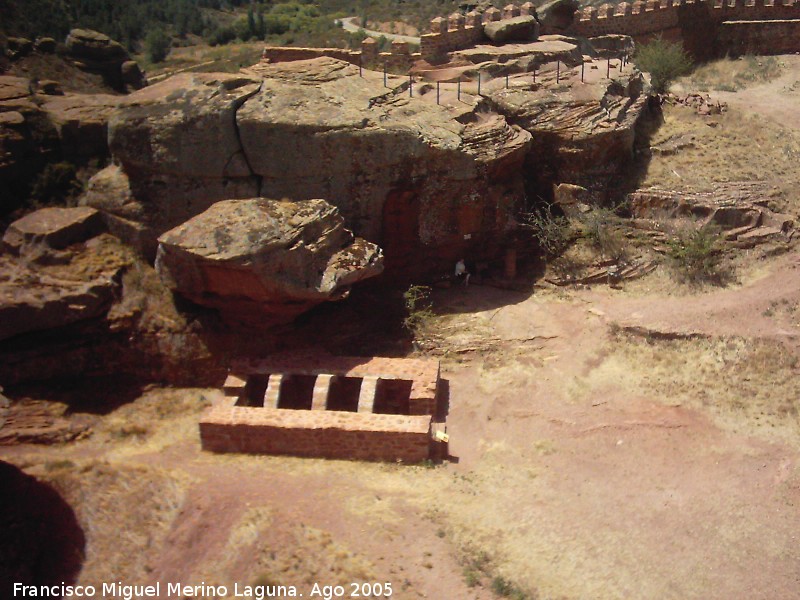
x,y
750,386
730,75
740,148
125,511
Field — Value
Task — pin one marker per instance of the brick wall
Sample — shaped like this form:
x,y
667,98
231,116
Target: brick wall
x,y
286,54
323,434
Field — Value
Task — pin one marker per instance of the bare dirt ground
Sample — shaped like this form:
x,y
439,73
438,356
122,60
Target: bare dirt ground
x,y
641,442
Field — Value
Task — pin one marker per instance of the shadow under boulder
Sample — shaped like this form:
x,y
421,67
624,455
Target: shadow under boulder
x,y
41,541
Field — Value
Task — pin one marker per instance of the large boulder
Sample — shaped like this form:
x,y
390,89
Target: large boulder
x,y
263,261
95,52
516,29
425,182
177,152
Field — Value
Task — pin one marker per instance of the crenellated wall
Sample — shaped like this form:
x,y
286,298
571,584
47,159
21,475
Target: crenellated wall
x,y
699,24
459,31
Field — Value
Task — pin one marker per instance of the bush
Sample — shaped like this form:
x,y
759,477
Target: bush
x,y
664,60
419,308
157,45
551,232
599,229
697,258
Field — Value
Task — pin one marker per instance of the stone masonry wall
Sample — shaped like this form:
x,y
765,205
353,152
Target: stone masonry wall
x,y
697,23
458,31
278,54
323,434
424,373
743,37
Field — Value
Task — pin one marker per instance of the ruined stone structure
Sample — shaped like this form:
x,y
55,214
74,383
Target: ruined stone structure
x,y
331,407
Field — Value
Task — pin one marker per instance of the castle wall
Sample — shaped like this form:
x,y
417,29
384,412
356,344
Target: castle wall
x,y
698,24
760,37
278,54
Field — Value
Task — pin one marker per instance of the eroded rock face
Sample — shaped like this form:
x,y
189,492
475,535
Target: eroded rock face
x,y
583,134
425,182
739,210
41,290
265,261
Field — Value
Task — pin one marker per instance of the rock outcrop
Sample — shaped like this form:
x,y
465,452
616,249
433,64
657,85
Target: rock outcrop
x,y
517,29
81,122
53,228
263,261
739,210
97,53
558,15
425,182
583,133
27,140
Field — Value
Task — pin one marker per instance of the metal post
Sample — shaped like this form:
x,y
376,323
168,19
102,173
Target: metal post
x,y
558,70
437,91
621,65
459,87
608,69
384,75
534,74
583,67
410,87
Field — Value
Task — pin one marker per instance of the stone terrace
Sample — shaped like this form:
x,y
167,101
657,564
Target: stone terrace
x,y
331,407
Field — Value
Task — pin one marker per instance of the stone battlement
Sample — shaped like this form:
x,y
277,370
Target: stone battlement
x,y
698,23
331,407
458,31
639,18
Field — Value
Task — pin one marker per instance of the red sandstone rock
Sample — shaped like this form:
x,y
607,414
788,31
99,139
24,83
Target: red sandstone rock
x,y
52,227
263,261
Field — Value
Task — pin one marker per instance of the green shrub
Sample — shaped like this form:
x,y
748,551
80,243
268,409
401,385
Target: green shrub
x,y
697,258
664,60
599,229
157,45
418,308
551,232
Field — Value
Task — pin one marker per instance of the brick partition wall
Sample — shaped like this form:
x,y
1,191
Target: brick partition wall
x,y
334,407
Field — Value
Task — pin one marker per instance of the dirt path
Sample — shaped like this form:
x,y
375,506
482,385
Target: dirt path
x,y
777,99
349,24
